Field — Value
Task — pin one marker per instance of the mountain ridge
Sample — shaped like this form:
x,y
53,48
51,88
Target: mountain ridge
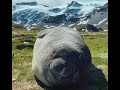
x,y
42,15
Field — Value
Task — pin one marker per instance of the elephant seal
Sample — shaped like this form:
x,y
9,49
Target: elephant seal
x,y
59,57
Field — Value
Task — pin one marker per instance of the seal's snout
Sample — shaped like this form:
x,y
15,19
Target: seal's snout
x,y
60,72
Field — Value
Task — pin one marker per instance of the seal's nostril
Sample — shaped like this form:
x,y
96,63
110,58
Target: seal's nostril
x,y
60,68
57,66
66,71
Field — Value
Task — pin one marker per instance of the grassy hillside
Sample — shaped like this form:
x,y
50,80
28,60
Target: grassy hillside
x,y
22,49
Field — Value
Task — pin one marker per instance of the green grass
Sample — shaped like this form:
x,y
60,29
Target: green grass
x,y
98,44
22,75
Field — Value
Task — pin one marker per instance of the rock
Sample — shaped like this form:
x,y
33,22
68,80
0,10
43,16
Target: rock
x,y
23,46
60,57
87,27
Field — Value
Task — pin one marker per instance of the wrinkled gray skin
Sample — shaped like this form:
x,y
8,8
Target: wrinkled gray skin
x,y
60,56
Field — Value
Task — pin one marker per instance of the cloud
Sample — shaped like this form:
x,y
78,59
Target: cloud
x,y
59,2
46,2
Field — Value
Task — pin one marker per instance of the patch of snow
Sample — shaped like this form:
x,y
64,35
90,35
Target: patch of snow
x,y
47,27
70,25
102,21
52,26
74,28
26,43
84,22
105,30
86,9
61,24
95,24
79,23
34,24
29,28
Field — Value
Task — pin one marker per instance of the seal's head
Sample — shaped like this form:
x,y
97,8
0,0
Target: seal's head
x,y
60,57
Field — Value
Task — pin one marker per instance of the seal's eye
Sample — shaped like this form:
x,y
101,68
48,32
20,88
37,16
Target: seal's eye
x,y
42,35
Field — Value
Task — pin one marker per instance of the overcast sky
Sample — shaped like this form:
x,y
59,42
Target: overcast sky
x,y
60,2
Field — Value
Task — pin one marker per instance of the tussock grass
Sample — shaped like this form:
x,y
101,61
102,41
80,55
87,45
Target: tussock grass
x,y
22,75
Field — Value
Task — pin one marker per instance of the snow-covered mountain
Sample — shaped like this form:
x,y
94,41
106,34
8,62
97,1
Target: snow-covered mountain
x,y
100,18
34,14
